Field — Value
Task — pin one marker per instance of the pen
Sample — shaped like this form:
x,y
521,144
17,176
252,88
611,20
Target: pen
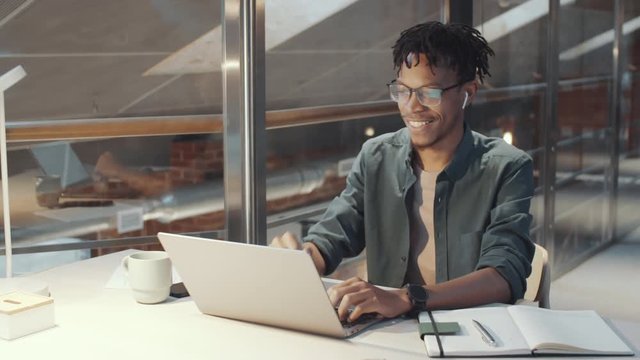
x,y
486,337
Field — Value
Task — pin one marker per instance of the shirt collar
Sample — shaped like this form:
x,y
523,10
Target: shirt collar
x,y
458,165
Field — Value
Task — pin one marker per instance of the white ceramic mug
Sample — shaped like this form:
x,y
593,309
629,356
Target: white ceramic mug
x,y
149,274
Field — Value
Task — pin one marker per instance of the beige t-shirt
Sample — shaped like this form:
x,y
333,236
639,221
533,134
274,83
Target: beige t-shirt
x,y
422,253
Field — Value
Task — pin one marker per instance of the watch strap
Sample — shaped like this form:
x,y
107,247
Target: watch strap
x,y
417,305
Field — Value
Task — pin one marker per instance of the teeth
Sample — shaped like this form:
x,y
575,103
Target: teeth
x,y
418,124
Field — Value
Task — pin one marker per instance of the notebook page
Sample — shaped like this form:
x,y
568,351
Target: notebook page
x,y
566,331
468,342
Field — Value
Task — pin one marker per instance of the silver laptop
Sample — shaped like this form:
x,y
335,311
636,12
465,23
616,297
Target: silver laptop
x,y
259,284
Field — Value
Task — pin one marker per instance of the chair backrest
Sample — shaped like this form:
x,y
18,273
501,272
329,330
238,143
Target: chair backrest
x,y
539,281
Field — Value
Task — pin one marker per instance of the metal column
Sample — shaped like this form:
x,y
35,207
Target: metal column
x,y
243,71
457,11
614,119
549,131
445,11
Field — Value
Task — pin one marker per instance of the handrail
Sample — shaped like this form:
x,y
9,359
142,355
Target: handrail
x,y
97,128
96,244
34,245
515,91
46,130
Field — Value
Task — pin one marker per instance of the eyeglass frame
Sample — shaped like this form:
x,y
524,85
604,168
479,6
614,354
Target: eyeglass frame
x,y
412,90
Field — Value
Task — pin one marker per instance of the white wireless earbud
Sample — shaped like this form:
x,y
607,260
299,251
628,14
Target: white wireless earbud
x,y
466,97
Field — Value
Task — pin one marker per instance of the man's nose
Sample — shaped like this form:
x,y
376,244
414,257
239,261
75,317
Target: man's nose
x,y
413,104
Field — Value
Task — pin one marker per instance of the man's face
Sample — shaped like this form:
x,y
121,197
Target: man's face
x,y
435,126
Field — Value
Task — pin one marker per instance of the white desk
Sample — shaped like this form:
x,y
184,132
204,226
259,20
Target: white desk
x,y
98,323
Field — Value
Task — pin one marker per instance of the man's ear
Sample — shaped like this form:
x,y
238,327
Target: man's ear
x,y
470,88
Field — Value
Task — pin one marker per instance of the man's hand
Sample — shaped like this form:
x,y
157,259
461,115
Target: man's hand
x,y
290,241
286,241
364,297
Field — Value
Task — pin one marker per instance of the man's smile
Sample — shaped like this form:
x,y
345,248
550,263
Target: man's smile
x,y
417,124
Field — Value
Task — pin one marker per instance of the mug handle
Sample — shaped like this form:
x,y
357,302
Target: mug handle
x,y
125,263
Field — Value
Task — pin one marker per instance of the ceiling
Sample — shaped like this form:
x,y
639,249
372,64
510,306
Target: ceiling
x,y
92,58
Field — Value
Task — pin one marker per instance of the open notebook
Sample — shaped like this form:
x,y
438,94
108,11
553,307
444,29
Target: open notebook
x,y
525,330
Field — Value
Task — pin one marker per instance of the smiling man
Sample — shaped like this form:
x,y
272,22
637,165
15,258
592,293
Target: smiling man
x,y
441,211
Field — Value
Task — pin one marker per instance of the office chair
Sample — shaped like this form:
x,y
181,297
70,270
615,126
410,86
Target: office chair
x,y
539,281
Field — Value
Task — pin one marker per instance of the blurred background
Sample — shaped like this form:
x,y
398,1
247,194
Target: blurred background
x,y
117,131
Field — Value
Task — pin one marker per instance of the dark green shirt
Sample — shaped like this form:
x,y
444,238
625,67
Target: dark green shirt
x,y
481,211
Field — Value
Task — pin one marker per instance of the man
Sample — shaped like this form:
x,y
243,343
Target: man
x,y
443,212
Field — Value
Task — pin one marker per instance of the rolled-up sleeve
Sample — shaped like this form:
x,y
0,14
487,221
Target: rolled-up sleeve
x,y
506,245
340,232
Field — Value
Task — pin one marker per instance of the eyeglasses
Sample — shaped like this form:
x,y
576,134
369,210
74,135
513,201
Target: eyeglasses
x,y
427,96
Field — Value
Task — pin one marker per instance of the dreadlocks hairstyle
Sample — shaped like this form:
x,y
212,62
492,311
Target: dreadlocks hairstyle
x,y
456,46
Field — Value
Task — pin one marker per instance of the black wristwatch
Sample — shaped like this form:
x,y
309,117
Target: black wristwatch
x,y
418,296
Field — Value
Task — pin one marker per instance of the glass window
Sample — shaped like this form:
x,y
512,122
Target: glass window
x,y
582,188
111,126
629,175
321,53
510,103
329,54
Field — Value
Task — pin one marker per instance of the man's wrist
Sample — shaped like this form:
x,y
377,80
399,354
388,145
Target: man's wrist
x,y
418,297
405,301
313,251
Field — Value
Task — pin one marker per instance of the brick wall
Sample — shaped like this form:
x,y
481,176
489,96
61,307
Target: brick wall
x,y
193,162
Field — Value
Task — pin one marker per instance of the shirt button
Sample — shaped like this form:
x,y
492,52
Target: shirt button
x,y
404,258
439,199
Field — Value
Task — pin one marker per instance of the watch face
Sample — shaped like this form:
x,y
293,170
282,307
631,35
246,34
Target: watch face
x,y
417,293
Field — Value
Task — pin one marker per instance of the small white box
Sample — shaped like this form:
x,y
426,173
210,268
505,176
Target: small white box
x,y
23,313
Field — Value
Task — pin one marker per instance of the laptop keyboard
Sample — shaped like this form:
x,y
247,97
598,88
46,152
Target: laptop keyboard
x,y
364,318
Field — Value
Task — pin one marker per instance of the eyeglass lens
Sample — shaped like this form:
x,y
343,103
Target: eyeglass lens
x,y
426,96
